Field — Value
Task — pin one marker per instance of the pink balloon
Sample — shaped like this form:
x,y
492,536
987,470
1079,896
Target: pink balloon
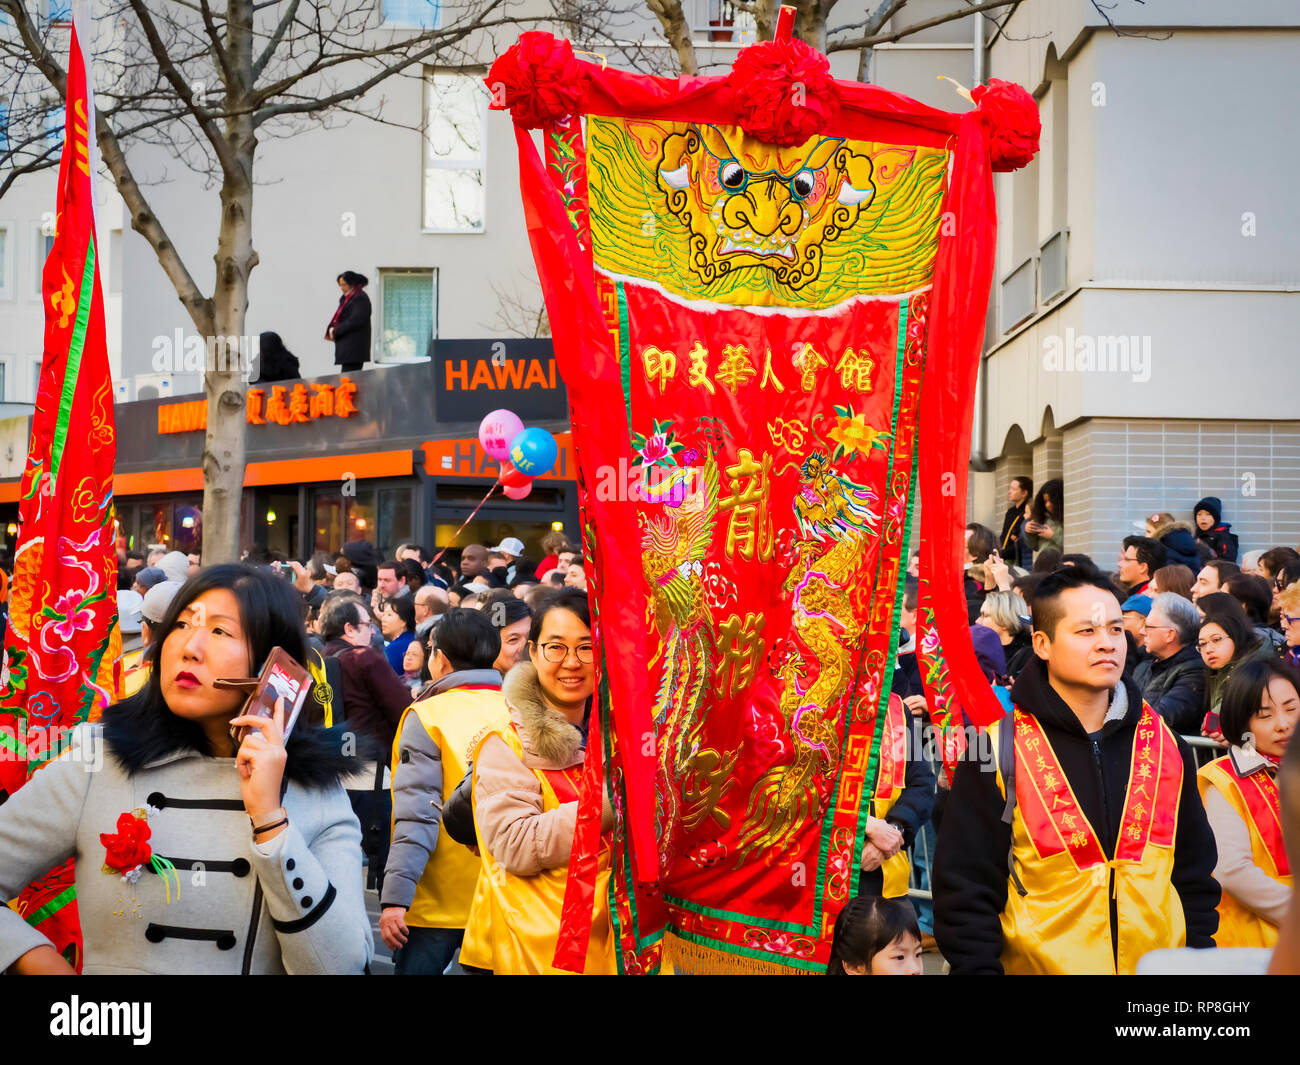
x,y
497,430
517,491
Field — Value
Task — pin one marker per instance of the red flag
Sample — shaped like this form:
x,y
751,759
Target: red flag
x,y
62,645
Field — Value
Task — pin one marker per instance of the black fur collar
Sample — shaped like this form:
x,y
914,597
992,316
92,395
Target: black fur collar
x,y
139,735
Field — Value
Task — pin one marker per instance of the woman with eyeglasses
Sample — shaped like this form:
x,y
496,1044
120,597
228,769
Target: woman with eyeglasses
x,y
525,797
1225,641
1288,603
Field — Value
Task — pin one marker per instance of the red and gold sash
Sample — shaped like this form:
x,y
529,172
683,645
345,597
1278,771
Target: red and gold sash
x,y
1051,812
1259,791
892,774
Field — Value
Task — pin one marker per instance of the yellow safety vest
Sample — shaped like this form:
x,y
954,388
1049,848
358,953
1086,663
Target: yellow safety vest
x,y
1255,798
456,720
1061,924
514,920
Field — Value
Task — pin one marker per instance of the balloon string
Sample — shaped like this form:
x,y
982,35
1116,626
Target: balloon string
x,y
463,524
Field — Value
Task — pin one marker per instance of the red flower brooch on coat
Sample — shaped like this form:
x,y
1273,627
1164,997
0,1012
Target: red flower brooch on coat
x,y
538,80
127,851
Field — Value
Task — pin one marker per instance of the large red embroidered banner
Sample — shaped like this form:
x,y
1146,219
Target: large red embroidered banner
x,y
767,293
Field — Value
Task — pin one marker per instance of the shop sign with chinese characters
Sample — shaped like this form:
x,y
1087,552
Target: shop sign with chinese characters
x,y
276,405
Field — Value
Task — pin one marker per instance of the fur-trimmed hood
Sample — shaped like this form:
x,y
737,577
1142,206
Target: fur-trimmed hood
x,y
548,737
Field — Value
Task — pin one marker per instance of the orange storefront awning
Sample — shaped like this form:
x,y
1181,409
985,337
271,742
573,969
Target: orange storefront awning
x,y
283,471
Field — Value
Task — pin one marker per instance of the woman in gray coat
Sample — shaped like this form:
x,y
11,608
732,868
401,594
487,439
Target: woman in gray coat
x,y
192,855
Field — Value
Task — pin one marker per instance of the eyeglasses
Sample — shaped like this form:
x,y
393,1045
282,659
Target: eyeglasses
x,y
1290,619
1213,641
555,653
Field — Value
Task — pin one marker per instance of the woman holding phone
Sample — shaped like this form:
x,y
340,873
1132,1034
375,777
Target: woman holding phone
x,y
193,856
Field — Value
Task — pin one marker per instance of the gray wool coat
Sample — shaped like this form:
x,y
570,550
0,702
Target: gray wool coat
x,y
291,905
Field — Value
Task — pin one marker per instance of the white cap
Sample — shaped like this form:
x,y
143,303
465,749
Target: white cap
x,y
511,545
128,610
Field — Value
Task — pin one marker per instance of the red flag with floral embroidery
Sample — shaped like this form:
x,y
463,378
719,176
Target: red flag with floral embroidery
x,y
62,645
767,293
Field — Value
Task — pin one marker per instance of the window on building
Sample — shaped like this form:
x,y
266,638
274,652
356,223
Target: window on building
x,y
4,125
59,10
5,270
408,315
4,374
114,260
36,376
422,14
42,242
54,125
455,107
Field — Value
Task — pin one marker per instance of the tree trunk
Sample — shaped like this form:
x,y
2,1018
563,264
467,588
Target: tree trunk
x,y
677,31
223,443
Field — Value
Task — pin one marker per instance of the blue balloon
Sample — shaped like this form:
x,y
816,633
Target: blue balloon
x,y
534,452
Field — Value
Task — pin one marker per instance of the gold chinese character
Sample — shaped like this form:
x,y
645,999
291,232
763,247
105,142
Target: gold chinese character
x,y
735,369
1144,770
1134,832
741,647
661,365
253,407
709,780
1078,839
698,372
322,402
769,373
1068,820
1051,780
276,408
855,369
749,527
810,360
299,404
343,395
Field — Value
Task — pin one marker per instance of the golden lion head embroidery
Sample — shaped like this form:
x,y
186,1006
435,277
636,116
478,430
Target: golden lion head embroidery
x,y
745,203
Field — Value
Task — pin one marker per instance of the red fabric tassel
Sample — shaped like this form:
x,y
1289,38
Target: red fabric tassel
x,y
963,274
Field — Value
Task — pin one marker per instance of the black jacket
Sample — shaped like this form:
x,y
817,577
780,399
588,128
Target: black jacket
x,y
1019,651
1012,545
1221,540
970,873
1181,549
352,330
1175,688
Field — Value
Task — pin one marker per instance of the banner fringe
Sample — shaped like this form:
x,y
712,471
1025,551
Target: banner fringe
x,y
696,959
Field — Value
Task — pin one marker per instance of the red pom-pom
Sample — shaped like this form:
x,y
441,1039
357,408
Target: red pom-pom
x,y
784,91
538,80
1011,121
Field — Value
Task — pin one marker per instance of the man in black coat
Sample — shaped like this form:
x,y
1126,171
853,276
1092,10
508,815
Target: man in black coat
x,y
1074,694
1012,545
1173,678
1213,531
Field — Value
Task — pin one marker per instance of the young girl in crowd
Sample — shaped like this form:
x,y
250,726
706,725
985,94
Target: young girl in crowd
x,y
876,937
1260,706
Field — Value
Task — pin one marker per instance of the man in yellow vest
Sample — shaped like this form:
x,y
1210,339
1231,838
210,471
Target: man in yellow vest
x,y
429,879
1074,840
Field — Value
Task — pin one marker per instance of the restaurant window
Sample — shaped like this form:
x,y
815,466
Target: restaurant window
x,y
408,316
421,14
455,106
381,515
